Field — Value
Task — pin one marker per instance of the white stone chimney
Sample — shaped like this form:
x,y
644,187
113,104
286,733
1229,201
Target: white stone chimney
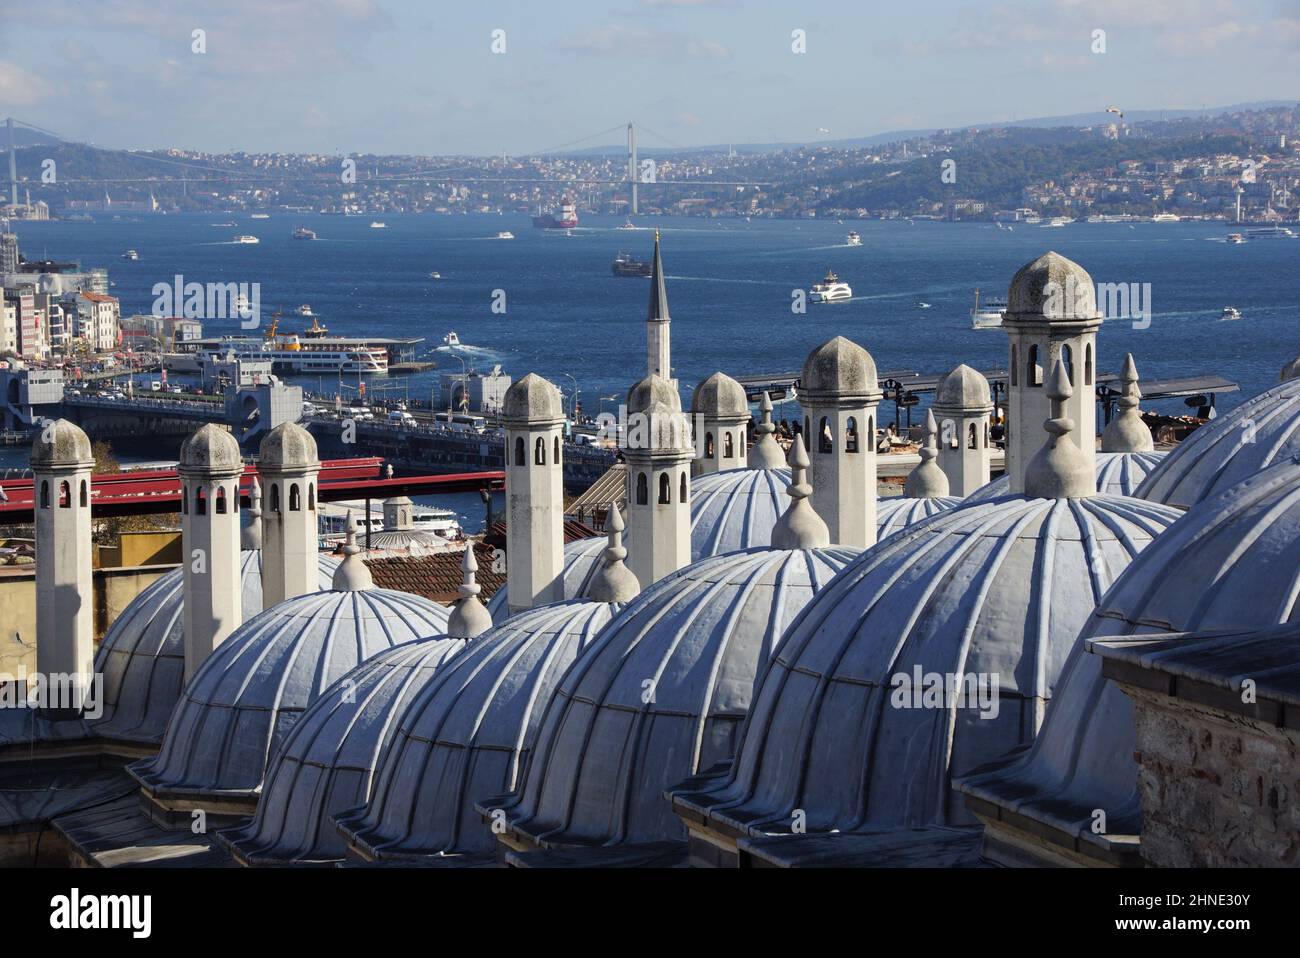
x,y
962,404
61,464
839,395
533,416
720,410
658,450
289,468
210,469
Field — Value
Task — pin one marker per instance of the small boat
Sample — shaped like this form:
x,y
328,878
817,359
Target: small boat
x,y
625,265
451,339
221,224
505,234
853,238
260,216
130,254
628,225
305,310
830,290
378,225
921,305
435,275
1235,238
988,317
247,239
1230,312
302,233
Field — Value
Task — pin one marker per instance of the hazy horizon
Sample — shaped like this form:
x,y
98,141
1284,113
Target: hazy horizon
x,y
400,77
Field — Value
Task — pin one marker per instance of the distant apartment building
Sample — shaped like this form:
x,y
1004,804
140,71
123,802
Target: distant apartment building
x,y
29,322
8,326
98,318
147,331
8,253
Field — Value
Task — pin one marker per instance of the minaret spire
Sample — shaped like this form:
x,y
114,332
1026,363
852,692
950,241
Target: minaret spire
x,y
799,526
470,617
1127,432
1059,470
658,345
615,582
927,480
765,453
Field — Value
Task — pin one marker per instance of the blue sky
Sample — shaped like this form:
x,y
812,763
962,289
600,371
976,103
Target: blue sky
x,y
401,76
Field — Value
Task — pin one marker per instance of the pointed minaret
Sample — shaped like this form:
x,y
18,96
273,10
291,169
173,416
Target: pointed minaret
x,y
839,394
250,535
61,462
289,466
927,480
658,345
533,416
1127,432
720,410
1051,315
766,452
470,617
351,575
1060,470
962,404
658,450
799,526
210,469
614,582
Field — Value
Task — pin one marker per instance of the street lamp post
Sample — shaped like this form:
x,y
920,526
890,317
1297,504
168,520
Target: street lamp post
x,y
573,400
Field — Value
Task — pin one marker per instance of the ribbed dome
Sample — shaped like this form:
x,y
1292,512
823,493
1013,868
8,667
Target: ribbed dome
x,y
467,733
1052,288
1236,446
211,448
720,397
610,743
839,367
288,447
581,563
1231,562
651,391
414,541
60,445
249,692
896,513
533,399
736,509
328,760
994,589
1118,474
142,656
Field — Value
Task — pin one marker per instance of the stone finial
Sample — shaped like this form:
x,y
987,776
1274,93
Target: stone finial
x,y
351,574
927,480
250,536
1059,470
799,526
1127,432
615,582
766,452
470,617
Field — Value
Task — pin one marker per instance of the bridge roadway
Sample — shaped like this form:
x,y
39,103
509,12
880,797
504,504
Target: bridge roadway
x,y
158,491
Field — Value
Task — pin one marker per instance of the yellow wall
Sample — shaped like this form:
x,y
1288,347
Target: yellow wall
x,y
147,547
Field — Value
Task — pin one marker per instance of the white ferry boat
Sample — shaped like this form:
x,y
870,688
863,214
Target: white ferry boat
x,y
451,339
295,355
260,216
1230,312
1166,218
247,239
853,239
378,225
304,310
130,254
830,290
988,316
505,234
1271,232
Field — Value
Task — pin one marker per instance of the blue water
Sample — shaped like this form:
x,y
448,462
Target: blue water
x,y
729,290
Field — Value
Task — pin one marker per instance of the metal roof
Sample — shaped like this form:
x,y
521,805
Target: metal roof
x,y
1118,474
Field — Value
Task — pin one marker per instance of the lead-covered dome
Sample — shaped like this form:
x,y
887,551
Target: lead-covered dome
x,y
963,388
533,399
736,509
1052,288
659,696
1231,562
466,734
840,726
1118,474
653,391
1261,431
581,563
211,448
720,397
328,759
142,655
248,694
896,513
61,445
288,447
839,367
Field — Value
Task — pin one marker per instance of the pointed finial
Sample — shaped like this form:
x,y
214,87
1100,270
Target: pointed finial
x,y
470,617
388,470
1059,469
614,582
799,526
766,453
1127,432
351,574
250,536
927,480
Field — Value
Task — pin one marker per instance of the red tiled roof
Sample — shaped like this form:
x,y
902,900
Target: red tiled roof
x,y
573,530
436,576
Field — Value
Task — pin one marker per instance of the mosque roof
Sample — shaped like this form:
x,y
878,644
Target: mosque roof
x,y
1118,474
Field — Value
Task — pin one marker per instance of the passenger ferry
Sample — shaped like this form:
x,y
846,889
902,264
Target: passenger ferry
x,y
505,234
303,233
1230,312
260,216
830,290
378,225
1271,232
306,355
853,238
247,239
988,317
130,254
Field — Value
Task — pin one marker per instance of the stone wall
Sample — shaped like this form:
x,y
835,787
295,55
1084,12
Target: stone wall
x,y
1218,789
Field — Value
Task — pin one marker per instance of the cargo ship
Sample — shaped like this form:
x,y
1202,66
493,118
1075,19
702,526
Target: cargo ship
x,y
567,219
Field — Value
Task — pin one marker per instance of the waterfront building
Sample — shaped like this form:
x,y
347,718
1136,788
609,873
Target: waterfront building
x,y
97,321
